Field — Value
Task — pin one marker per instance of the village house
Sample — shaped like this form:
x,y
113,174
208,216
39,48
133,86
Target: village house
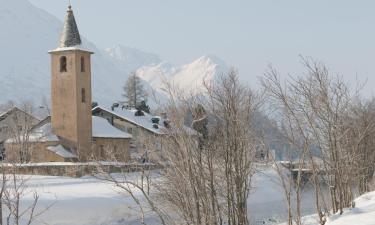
x,y
144,127
71,133
14,122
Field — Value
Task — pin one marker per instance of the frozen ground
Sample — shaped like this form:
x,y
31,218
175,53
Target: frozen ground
x,y
89,201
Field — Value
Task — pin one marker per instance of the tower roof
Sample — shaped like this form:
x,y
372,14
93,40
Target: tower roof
x,y
70,35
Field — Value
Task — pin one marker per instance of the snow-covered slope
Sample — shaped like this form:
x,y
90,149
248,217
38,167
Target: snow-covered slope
x,y
131,59
156,73
28,33
363,214
189,77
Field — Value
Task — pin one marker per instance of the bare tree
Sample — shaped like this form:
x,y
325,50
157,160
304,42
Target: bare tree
x,y
291,115
319,108
206,179
206,172
18,123
361,124
14,189
134,91
131,184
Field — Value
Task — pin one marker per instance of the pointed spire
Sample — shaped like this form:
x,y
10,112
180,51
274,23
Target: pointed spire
x,y
70,35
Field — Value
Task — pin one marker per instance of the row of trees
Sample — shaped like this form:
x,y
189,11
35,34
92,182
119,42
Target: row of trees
x,y
329,128
319,111
206,176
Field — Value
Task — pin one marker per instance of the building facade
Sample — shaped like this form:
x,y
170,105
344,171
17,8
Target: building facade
x,y
71,89
14,122
71,133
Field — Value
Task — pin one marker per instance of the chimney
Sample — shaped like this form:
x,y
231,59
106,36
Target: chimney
x,y
114,105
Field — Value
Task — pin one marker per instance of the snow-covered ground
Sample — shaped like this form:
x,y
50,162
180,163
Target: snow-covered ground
x,y
89,201
362,214
81,201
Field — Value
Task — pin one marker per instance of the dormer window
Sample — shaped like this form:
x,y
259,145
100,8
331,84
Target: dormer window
x,y
63,64
82,64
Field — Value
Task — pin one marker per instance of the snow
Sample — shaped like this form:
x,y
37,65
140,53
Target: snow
x,y
82,201
29,32
187,78
3,113
102,128
131,59
43,134
363,213
91,201
142,121
72,48
40,134
61,151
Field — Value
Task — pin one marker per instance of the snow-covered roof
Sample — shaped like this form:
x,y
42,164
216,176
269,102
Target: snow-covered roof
x,y
43,134
4,113
10,110
72,48
61,151
39,134
144,121
102,128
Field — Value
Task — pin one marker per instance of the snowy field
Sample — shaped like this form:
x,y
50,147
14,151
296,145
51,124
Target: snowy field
x,y
89,201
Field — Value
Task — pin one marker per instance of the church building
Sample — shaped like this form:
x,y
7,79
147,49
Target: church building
x,y
71,133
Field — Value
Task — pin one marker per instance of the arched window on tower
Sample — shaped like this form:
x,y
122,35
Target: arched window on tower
x,y
82,64
63,64
83,95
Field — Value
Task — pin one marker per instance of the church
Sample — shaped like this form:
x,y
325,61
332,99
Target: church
x,y
71,132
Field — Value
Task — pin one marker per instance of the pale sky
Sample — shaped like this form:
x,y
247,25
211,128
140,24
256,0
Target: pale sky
x,y
246,34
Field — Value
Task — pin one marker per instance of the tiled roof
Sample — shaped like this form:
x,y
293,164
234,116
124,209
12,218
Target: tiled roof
x,y
70,35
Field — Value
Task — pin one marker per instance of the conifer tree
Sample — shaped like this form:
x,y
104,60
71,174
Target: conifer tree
x,y
134,91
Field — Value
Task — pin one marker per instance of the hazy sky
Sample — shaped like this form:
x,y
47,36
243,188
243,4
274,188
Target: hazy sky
x,y
247,34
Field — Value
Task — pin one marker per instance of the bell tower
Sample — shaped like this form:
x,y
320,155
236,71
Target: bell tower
x,y
71,116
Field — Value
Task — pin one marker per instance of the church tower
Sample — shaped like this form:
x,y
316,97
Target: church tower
x,y
71,116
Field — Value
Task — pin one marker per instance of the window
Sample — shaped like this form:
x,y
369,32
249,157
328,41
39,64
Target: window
x,y
129,130
101,151
83,95
63,64
82,64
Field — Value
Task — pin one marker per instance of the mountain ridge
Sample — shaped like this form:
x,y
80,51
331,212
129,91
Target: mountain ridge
x,y
25,64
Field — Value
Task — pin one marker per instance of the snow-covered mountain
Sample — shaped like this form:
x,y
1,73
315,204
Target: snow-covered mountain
x,y
157,73
28,33
131,59
189,78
